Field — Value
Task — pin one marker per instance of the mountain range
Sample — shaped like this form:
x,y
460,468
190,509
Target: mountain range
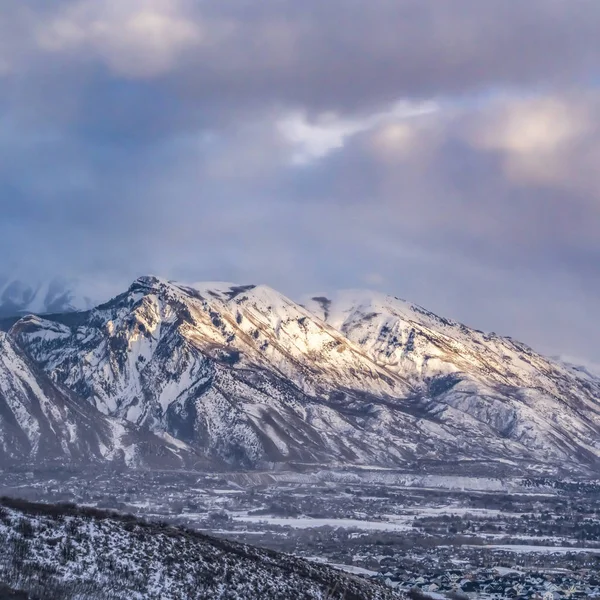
x,y
240,375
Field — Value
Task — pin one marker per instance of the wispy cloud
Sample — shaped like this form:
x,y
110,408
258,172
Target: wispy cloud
x,y
316,138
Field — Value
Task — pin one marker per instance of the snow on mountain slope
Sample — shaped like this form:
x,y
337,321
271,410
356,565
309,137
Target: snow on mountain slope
x,y
275,332
42,422
546,405
247,375
241,372
583,370
409,339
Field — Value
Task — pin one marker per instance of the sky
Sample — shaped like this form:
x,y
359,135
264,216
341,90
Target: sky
x,y
444,152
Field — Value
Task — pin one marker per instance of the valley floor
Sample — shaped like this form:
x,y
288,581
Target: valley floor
x,y
479,538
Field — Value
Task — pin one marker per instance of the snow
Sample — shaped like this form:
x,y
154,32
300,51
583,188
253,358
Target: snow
x,y
139,561
354,570
308,523
582,368
362,378
526,549
59,422
173,441
207,288
15,383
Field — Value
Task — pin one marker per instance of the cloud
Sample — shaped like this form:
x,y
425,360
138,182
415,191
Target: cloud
x,y
444,152
133,39
540,126
353,57
328,132
537,136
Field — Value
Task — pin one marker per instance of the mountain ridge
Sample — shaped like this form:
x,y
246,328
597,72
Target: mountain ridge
x,y
44,423
248,376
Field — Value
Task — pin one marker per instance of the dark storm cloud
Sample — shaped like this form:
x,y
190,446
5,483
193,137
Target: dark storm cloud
x,y
263,142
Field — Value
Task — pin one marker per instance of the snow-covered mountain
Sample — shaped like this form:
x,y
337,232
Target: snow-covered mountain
x,y
53,296
247,375
42,422
542,403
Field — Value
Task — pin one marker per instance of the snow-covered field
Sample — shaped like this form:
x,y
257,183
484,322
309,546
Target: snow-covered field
x,y
401,521
531,549
307,523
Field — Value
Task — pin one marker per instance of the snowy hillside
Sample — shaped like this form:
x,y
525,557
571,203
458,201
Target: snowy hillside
x,y
64,552
244,374
45,423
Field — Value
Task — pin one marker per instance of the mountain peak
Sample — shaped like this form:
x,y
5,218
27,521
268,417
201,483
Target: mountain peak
x,y
337,308
223,290
247,375
148,282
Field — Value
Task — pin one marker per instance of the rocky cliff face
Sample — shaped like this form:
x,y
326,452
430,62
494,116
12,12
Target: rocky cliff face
x,y
243,374
44,423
